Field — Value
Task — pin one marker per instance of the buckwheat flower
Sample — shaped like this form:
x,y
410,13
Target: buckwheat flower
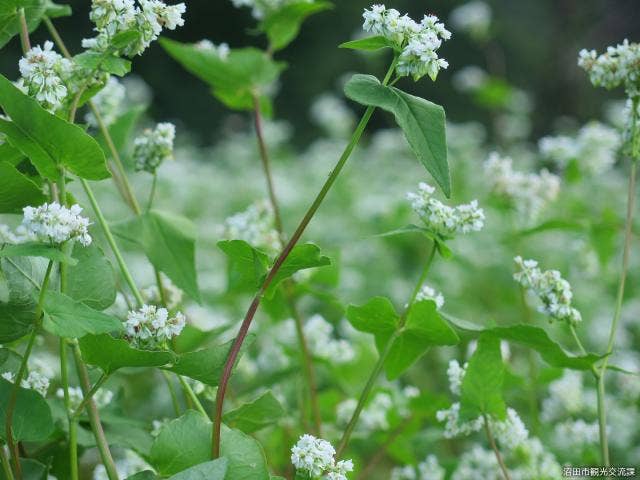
x,y
566,397
151,327
430,469
312,455
108,101
511,432
453,426
561,149
455,373
473,18
322,342
580,432
42,71
112,16
477,463
429,293
419,57
553,291
154,147
256,226
54,223
372,418
618,66
102,397
168,16
34,381
172,294
222,50
6,235
444,220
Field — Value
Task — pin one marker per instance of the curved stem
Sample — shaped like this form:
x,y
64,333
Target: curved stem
x,y
253,308
492,442
13,397
152,193
373,377
86,398
94,416
192,396
56,37
172,392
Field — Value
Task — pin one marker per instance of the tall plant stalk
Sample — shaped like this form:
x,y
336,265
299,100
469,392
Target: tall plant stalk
x,y
253,308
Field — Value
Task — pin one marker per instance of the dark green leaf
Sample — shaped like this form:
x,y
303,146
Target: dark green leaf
x,y
104,62
121,131
368,43
422,122
92,281
37,250
10,20
111,353
55,10
169,243
32,420
251,417
146,475
283,25
47,140
18,313
214,470
69,318
301,257
16,190
377,316
246,265
481,391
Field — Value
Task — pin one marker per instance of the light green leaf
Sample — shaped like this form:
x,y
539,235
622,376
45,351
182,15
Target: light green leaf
x,y
10,20
256,415
92,281
283,25
18,313
245,455
32,420
377,316
69,318
55,10
10,154
104,62
47,140
214,470
206,365
42,250
246,265
301,257
16,190
368,44
111,354
234,80
422,122
481,391
169,242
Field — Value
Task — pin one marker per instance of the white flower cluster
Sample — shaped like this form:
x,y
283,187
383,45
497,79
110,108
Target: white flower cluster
x,y
315,457
477,463
419,42
333,115
154,147
594,148
102,397
473,18
455,373
322,342
34,381
566,397
222,50
261,8
553,291
528,192
55,223
172,294
151,327
429,469
112,17
372,418
579,431
442,219
6,235
43,76
256,226
108,102
430,293
618,66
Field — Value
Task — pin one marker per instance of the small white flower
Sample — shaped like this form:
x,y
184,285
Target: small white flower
x,y
455,373
108,101
151,327
222,50
429,293
315,457
172,294
6,235
102,397
256,226
54,223
154,147
618,66
34,381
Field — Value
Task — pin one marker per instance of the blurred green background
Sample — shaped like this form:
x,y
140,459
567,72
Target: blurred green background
x,y
534,47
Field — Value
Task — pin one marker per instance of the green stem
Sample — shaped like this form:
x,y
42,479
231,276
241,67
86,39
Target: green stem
x,y
86,398
152,193
6,466
94,416
13,396
112,243
533,368
56,37
172,392
373,377
24,32
494,447
191,394
73,426
253,308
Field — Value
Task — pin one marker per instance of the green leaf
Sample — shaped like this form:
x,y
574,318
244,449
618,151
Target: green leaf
x,y
104,62
16,190
31,470
422,122
92,281
55,10
111,354
234,80
377,316
69,318
537,339
251,417
169,243
206,365
121,131
10,20
37,250
10,154
47,140
301,257
32,420
246,265
214,470
186,442
145,475
18,313
481,391
283,25
368,44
